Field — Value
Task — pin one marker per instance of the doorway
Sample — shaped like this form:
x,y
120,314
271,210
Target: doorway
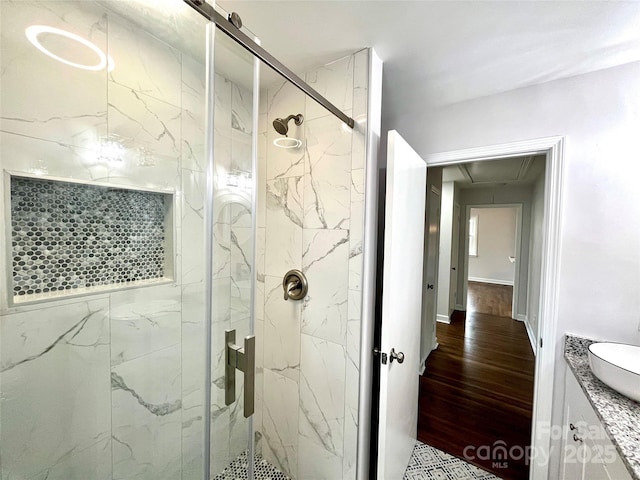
x,y
543,308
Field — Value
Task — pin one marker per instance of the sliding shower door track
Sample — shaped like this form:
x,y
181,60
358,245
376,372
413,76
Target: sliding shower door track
x,y
210,13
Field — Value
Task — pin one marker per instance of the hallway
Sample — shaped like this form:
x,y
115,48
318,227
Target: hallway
x,y
477,390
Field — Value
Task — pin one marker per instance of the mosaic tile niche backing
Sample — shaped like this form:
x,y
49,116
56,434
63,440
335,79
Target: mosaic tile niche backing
x,y
67,236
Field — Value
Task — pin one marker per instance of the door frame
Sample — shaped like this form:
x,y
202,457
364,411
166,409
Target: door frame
x,y
518,253
553,149
431,190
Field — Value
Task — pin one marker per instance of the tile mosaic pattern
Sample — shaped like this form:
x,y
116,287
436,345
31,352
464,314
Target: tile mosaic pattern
x,y
69,235
263,470
429,463
619,415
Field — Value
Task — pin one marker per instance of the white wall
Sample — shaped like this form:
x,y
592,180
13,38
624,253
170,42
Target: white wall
x,y
496,196
535,258
496,243
599,276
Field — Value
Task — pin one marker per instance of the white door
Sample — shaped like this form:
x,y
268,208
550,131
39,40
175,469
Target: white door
x,y
401,306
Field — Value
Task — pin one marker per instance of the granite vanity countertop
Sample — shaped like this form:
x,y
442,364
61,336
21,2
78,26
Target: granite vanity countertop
x,y
619,415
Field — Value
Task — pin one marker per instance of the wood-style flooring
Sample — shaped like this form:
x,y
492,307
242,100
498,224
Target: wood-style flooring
x,y
477,389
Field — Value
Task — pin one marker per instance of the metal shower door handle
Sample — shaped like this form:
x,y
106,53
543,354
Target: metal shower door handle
x,y
244,359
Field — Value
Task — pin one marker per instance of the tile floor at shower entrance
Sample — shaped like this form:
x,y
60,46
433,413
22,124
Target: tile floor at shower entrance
x,y
263,470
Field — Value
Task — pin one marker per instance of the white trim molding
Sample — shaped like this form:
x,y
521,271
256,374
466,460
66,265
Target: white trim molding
x,y
532,337
374,110
553,148
492,281
443,319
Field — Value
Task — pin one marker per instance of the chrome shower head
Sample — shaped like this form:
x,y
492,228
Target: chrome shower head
x,y
281,125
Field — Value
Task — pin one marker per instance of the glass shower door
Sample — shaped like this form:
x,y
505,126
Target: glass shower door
x,y
105,293
233,271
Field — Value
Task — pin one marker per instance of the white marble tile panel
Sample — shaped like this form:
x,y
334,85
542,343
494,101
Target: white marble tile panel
x,y
238,425
263,102
241,109
144,320
147,416
356,229
93,462
143,62
325,263
240,212
55,391
193,335
222,136
241,157
280,425
283,100
221,250
327,189
285,162
333,81
350,452
193,114
39,157
241,272
192,198
221,300
322,393
360,102
281,331
262,180
44,98
260,275
353,327
149,133
284,226
262,122
314,462
193,360
192,436
259,386
220,456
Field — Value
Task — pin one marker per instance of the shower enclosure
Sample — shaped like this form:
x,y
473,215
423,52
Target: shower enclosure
x,y
150,208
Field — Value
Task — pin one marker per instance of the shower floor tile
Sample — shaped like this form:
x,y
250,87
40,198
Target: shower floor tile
x,y
237,470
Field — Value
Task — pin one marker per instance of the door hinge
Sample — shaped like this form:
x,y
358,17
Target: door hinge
x,y
540,342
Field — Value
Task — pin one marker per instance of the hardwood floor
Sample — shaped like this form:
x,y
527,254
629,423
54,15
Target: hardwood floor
x,y
478,387
490,299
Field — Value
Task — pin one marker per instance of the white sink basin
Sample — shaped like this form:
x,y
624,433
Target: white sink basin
x,y
617,365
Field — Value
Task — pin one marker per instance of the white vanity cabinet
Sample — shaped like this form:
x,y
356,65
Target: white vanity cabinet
x,y
587,451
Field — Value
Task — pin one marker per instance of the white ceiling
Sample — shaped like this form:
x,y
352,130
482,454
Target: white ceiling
x,y
496,173
437,53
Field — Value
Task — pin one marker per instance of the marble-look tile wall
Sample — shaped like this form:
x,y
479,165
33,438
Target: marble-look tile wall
x,y
110,386
310,217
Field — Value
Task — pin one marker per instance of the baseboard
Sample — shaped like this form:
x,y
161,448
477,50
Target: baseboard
x,y
442,319
532,338
521,318
423,364
491,280
460,307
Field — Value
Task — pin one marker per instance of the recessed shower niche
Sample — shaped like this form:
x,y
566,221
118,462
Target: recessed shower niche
x,y
70,238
